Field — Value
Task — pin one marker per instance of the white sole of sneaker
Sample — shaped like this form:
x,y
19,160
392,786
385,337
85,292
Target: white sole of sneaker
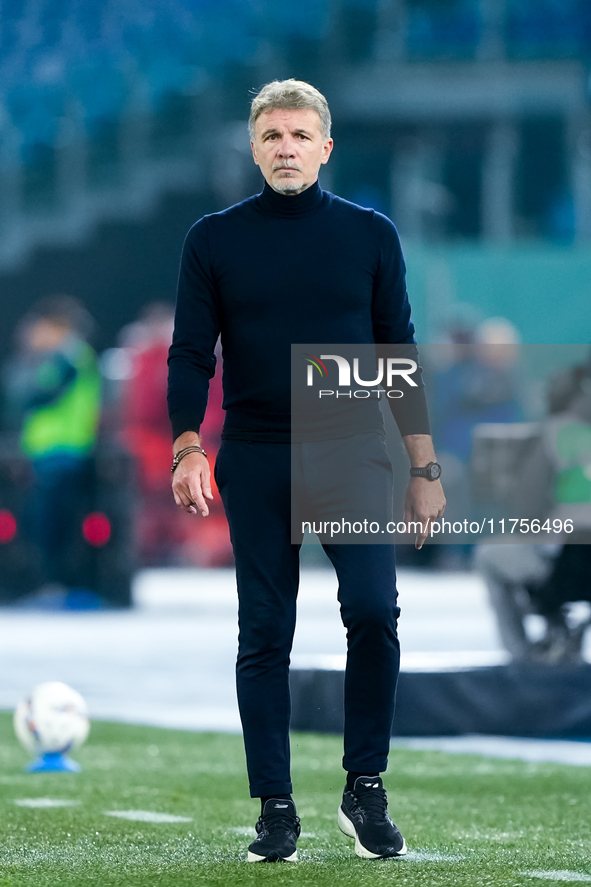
x,y
347,827
252,857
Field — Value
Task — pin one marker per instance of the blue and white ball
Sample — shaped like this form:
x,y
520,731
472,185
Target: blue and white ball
x,y
52,719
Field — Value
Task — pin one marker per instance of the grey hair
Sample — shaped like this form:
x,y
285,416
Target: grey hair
x,y
291,95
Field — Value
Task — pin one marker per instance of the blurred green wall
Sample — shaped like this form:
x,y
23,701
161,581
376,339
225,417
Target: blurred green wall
x,y
544,290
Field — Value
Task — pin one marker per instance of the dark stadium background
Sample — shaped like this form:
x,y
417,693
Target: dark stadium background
x,y
468,122
123,123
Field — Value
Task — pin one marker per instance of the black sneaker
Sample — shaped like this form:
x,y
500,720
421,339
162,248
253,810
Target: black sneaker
x,y
363,815
278,829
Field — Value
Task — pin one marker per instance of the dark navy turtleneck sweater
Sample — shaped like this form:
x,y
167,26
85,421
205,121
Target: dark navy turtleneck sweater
x,y
272,271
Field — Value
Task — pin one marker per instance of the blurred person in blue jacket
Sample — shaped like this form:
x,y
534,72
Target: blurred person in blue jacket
x,y
478,384
53,384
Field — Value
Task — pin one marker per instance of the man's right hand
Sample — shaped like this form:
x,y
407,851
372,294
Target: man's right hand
x,y
191,480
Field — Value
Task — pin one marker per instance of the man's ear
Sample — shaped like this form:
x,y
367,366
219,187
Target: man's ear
x,y
326,151
254,153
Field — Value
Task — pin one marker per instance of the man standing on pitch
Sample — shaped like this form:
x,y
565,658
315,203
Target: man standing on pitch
x,y
296,264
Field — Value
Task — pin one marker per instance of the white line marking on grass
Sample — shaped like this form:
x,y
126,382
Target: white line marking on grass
x,y
147,816
431,856
559,876
558,751
44,802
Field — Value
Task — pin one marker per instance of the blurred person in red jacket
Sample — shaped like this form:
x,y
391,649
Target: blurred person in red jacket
x,y
166,536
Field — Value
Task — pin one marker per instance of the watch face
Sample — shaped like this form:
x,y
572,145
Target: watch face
x,y
434,470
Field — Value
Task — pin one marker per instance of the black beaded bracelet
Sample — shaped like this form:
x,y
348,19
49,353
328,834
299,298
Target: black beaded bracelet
x,y
185,452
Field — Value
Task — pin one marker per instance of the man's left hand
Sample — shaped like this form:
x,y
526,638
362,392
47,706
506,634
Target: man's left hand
x,y
424,502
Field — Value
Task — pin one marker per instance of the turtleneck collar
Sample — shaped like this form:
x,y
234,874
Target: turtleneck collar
x,y
290,205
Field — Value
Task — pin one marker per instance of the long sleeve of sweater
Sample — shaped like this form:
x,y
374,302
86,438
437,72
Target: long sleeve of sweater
x,y
192,361
392,325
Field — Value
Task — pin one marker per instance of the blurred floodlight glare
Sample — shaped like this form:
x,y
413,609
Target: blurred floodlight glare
x,y
8,526
96,529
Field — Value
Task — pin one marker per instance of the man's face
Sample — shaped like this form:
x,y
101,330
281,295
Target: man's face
x,y
289,148
46,334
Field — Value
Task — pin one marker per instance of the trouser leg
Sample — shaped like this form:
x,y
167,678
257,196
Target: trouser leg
x,y
367,594
254,483
60,494
351,479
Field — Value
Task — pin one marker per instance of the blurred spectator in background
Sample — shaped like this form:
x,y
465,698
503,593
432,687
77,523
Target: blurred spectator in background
x,y
165,535
53,391
143,403
478,384
554,484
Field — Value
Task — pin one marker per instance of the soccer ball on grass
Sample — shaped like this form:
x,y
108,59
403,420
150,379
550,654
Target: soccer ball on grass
x,y
51,722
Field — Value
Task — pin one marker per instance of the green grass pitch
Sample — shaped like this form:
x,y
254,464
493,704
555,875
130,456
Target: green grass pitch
x,y
468,820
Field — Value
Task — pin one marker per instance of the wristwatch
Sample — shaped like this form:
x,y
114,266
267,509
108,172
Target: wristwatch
x,y
432,471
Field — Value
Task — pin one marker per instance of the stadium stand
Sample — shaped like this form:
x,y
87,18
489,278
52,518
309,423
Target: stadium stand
x,y
102,108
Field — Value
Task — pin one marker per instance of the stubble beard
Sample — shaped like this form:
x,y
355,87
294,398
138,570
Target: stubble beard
x,y
287,185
